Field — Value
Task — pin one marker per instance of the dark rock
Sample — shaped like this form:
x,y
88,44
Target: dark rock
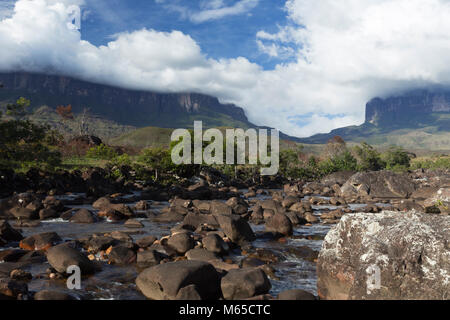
x,y
201,255
244,283
149,258
146,241
12,289
21,275
296,294
41,241
181,243
279,224
23,213
236,228
194,220
164,281
11,255
121,255
214,243
220,208
64,255
45,214
49,295
8,233
188,293
83,216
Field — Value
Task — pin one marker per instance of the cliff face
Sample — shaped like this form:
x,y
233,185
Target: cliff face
x,y
408,107
419,118
128,107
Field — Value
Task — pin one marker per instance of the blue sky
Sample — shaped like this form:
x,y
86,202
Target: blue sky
x,y
301,66
229,36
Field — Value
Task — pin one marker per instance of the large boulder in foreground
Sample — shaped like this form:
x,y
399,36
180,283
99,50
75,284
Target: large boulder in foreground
x,y
380,184
409,251
180,280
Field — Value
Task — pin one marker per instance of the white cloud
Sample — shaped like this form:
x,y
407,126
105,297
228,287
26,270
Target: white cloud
x,y
217,10
344,53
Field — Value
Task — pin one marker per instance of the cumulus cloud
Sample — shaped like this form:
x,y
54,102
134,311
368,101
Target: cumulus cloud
x,y
341,54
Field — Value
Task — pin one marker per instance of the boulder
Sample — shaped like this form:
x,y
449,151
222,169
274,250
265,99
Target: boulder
x,y
146,241
41,241
50,295
380,184
236,228
279,224
296,294
201,255
121,255
181,243
164,281
388,255
241,284
64,255
149,258
214,243
8,233
83,216
23,213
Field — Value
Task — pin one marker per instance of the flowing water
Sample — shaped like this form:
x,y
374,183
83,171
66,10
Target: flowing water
x,y
292,271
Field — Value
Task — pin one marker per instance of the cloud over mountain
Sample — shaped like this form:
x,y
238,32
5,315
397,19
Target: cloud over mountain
x,y
341,54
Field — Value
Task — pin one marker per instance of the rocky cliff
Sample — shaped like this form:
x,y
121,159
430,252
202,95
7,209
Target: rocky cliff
x,y
127,107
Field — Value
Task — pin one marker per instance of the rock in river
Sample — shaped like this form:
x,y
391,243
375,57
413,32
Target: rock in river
x,y
64,255
241,284
165,281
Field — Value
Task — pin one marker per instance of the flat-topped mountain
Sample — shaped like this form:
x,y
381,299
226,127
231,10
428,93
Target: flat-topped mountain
x,y
416,119
127,107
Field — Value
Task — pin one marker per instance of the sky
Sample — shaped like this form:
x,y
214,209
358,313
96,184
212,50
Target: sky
x,y
301,66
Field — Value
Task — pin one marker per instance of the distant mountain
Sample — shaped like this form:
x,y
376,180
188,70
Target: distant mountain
x,y
416,119
126,107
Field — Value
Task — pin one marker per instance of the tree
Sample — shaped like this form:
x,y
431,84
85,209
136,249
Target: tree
x,y
22,141
158,159
65,112
369,159
18,109
396,157
83,122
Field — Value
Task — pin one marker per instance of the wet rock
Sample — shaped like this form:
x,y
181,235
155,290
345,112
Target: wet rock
x,y
41,241
83,216
64,255
201,255
279,224
410,251
8,233
121,255
295,218
133,224
194,220
310,218
21,275
99,243
235,228
142,206
24,213
172,215
252,263
181,243
244,283
146,241
220,208
296,294
149,258
11,255
49,295
49,213
214,243
289,201
102,204
12,289
164,281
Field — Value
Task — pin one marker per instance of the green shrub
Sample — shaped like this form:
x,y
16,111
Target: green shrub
x,y
369,159
101,152
396,157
